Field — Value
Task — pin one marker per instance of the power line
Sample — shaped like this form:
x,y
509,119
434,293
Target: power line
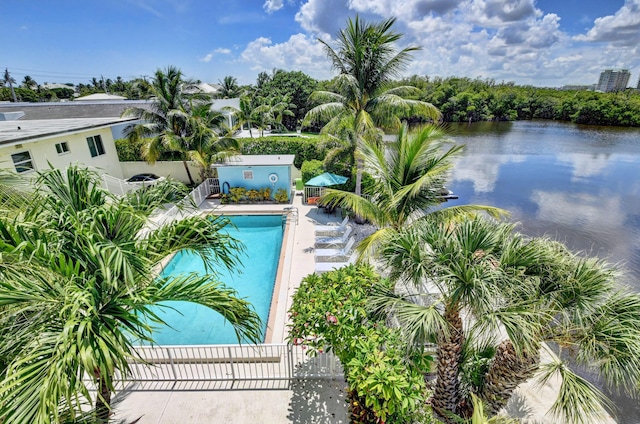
x,y
56,74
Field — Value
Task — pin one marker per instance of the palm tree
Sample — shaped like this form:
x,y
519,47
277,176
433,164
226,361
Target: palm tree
x,y
29,82
8,79
243,115
78,286
159,125
229,88
491,299
271,111
408,177
209,139
367,61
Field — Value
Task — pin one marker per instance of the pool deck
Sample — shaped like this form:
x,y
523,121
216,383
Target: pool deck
x,y
312,402
273,402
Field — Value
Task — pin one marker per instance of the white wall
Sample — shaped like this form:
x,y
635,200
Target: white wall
x,y
43,152
173,169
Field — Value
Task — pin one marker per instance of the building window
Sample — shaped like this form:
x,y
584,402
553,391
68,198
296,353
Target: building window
x,y
62,147
23,162
247,175
95,146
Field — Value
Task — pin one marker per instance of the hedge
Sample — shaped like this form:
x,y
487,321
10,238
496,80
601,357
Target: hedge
x,y
305,148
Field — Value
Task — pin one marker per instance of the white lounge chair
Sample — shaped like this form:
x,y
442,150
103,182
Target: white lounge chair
x,y
335,240
320,229
330,266
332,253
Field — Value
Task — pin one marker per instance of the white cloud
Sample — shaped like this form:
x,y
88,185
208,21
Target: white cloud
x,y
271,6
622,28
511,40
481,169
299,52
323,18
219,51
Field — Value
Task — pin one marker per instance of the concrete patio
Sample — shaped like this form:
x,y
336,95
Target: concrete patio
x,y
314,401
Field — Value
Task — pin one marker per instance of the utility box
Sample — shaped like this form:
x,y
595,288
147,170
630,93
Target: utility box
x,y
299,184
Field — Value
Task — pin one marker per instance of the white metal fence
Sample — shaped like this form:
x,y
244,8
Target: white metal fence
x,y
231,363
118,186
191,202
312,192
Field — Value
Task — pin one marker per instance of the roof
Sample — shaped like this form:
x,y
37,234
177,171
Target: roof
x,y
99,96
14,131
260,160
74,109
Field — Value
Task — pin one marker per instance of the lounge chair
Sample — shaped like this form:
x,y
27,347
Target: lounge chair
x,y
320,229
334,240
330,266
334,253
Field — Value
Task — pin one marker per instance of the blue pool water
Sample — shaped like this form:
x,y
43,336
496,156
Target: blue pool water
x,y
192,324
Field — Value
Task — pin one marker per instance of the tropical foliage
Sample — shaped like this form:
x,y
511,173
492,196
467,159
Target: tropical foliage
x,y
367,61
493,300
180,120
408,177
78,289
329,313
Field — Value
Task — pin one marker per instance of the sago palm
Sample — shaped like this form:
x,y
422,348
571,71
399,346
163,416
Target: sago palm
x,y
491,299
78,287
367,60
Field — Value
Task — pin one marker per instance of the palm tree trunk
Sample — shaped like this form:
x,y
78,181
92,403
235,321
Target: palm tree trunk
x,y
186,168
446,394
103,401
508,369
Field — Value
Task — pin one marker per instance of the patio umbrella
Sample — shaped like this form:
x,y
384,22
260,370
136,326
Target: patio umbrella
x,y
326,179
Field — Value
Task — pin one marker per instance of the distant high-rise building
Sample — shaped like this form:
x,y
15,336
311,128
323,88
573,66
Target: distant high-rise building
x,y
613,80
638,83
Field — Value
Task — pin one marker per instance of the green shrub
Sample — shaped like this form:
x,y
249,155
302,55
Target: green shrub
x,y
281,196
329,312
304,148
237,194
310,169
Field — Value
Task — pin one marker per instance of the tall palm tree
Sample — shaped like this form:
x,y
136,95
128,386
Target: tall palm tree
x,y
271,111
8,79
367,61
408,175
229,88
243,114
78,286
209,139
170,92
491,299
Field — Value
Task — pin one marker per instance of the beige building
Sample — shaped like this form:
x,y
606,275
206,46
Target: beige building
x,y
28,146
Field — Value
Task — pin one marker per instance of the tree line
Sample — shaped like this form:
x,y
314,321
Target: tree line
x,y
280,99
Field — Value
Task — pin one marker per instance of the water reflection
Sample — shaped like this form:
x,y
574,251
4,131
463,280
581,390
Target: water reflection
x,y
576,184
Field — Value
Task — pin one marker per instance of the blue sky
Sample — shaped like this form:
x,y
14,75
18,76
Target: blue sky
x,y
537,42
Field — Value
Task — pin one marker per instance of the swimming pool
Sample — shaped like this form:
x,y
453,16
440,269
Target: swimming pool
x,y
192,324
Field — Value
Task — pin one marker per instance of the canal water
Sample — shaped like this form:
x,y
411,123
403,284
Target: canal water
x,y
577,184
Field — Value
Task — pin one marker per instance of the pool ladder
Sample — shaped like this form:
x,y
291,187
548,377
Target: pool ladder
x,y
290,215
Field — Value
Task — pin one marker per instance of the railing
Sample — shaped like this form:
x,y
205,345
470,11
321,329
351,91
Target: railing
x,y
191,202
313,192
231,363
290,215
117,186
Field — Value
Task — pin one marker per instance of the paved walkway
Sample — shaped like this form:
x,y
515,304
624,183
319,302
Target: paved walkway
x,y
312,402
318,401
